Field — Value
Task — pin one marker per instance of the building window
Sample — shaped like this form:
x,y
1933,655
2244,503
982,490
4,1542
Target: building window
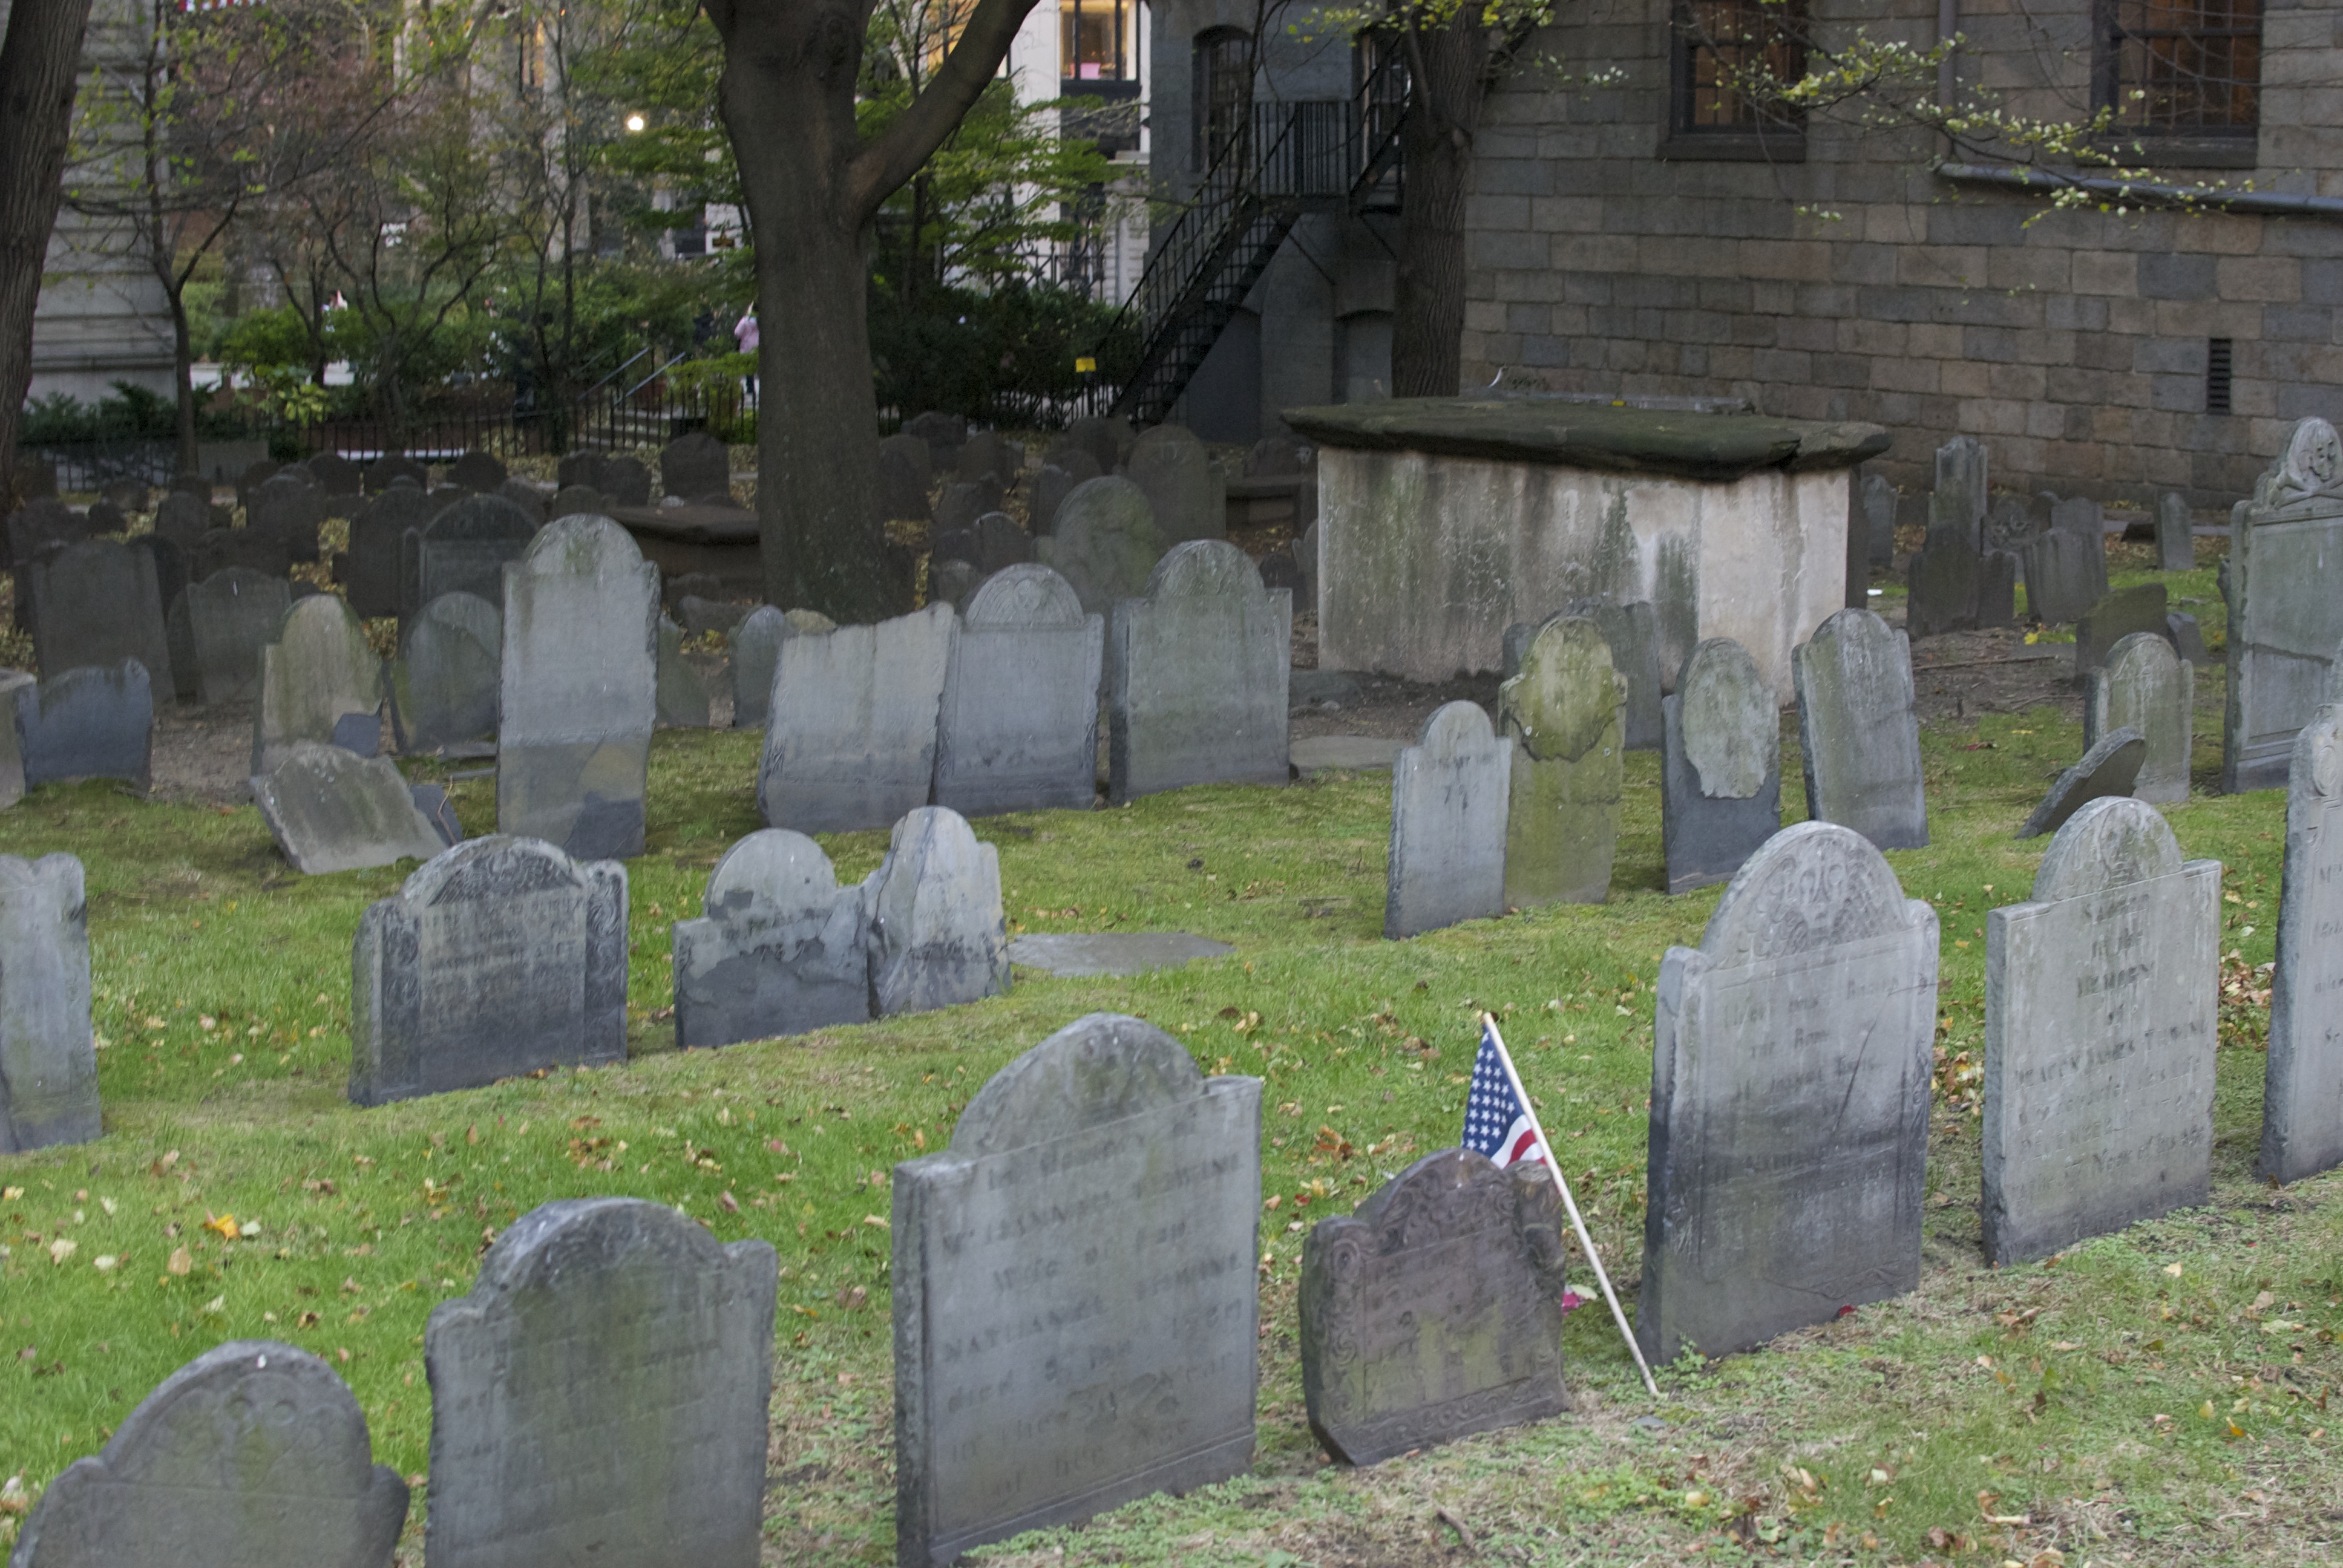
x,y
1723,53
1093,37
2178,75
1223,102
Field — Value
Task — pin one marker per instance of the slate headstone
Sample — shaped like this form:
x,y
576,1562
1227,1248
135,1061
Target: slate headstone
x,y
1448,824
528,497
1959,499
1053,484
330,810
850,729
182,518
1186,494
1434,1311
495,958
170,580
959,506
2065,574
1150,1303
1000,543
12,745
953,545
2176,543
938,937
780,947
129,495
232,615
104,518
1305,555
2081,514
97,603
2181,630
451,662
945,433
625,482
252,1453
288,509
48,1055
1018,726
238,549
463,550
1633,632
1876,505
255,474
1790,1085
2303,1078
1857,732
1564,713
478,471
904,475
432,801
2285,613
599,1396
580,689
2110,766
2100,1006
360,734
1721,770
319,668
179,632
335,475
2117,616
383,471
2146,686
1103,541
1196,675
1943,584
682,689
579,468
755,648
1107,436
696,465
578,500
987,455
88,723
377,543
2013,523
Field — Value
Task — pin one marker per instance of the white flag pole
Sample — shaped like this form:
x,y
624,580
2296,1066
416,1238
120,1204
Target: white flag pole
x,y
1571,1204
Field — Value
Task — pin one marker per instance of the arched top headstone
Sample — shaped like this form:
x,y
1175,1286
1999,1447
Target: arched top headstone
x,y
1449,1193
1099,1069
2142,656
1108,503
1457,727
556,1244
625,481
386,471
1812,886
335,475
235,582
480,517
582,547
476,471
58,873
1568,693
465,612
1204,568
496,866
2110,841
784,870
1022,597
321,621
1732,731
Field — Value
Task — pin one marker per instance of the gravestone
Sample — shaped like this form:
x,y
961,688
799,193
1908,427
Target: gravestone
x,y
1112,952
1150,1304
179,632
359,733
1789,1121
528,497
2145,687
12,746
682,691
432,801
954,582
1721,770
287,509
450,665
239,550
1017,730
477,471
232,615
2180,628
904,475
625,482
850,730
1448,824
1195,675
88,723
1633,632
255,474
1434,1311
2110,766
1306,555
702,616
1959,501
1000,543
497,958
1942,583
694,466
48,1055
2099,1036
987,455
378,544
599,1396
2176,543
2115,617
383,471
1105,542
1997,590
104,518
953,545
252,1454
945,433
938,935
1185,493
319,668
96,604
756,648
463,550
780,947
2013,523
170,566
182,518
580,689
2286,615
577,500
335,475
579,468
128,496
2303,1080
2065,574
1857,733
330,810
1053,484
2081,514
1876,505
959,505
1564,713
1107,437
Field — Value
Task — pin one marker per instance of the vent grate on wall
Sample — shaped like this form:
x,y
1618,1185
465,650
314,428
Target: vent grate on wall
x,y
2219,353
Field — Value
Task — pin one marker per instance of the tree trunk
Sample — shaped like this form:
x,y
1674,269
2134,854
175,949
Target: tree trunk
x,y
40,64
183,372
1449,67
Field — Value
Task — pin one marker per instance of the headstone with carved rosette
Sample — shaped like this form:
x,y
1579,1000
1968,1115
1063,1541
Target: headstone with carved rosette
x,y
2283,579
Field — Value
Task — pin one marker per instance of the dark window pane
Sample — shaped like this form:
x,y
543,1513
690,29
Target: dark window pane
x,y
2182,67
1727,50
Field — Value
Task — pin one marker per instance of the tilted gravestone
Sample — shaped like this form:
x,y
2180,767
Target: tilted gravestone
x,y
1448,824
477,471
1564,713
2285,613
938,935
2065,574
625,482
850,729
232,615
1876,506
252,1453
599,1396
2187,638
579,691
1196,676
695,466
450,665
1187,495
287,509
331,810
2110,766
2176,542
1857,733
88,723
780,947
463,550
682,700
2098,1035
378,544
1721,770
48,1055
1018,726
2303,1078
1790,1081
1434,1311
2117,616
1149,1304
1959,501
97,603
1633,632
755,646
1103,541
319,668
497,958
904,475
2145,687
959,505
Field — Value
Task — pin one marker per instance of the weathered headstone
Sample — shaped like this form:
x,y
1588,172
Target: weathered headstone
x,y
497,958
755,648
1105,542
1187,495
904,475
12,745
2013,523
583,468
2098,1035
599,1396
694,466
97,603
1721,770
104,518
1564,713
383,471
2117,616
938,934
48,1055
2065,574
682,700
959,505
625,482
850,729
945,433
1434,1311
2146,686
577,500
1150,1303
330,810
1449,792
288,509
780,947
1943,584
1876,506
528,497
238,549
377,541
1633,632
450,665
985,454
1053,484
1107,437
1018,726
463,550
87,723
1112,952
2176,543
953,545
1195,676
2187,638
2302,1132
580,689
252,1453
182,518
1000,543
476,471
255,474
2110,766
319,668
1790,1082
1857,732
1959,501
2285,613
232,615
335,475
2081,514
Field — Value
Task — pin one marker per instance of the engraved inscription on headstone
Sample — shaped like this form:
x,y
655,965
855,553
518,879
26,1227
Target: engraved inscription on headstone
x,y
96,604
938,937
1564,713
1449,794
48,1055
2285,613
1019,724
1196,676
1858,736
779,949
319,668
2146,686
2302,1093
850,729
87,724
1721,772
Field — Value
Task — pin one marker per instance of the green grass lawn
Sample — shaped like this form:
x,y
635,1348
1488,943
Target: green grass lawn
x,y
2157,1396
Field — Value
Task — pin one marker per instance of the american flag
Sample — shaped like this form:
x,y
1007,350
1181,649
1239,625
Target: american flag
x,y
1496,1122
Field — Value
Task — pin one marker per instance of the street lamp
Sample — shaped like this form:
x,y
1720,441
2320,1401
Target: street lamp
x,y
634,121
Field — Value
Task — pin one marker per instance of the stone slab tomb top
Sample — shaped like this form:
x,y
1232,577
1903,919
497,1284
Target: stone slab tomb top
x,y
1582,436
